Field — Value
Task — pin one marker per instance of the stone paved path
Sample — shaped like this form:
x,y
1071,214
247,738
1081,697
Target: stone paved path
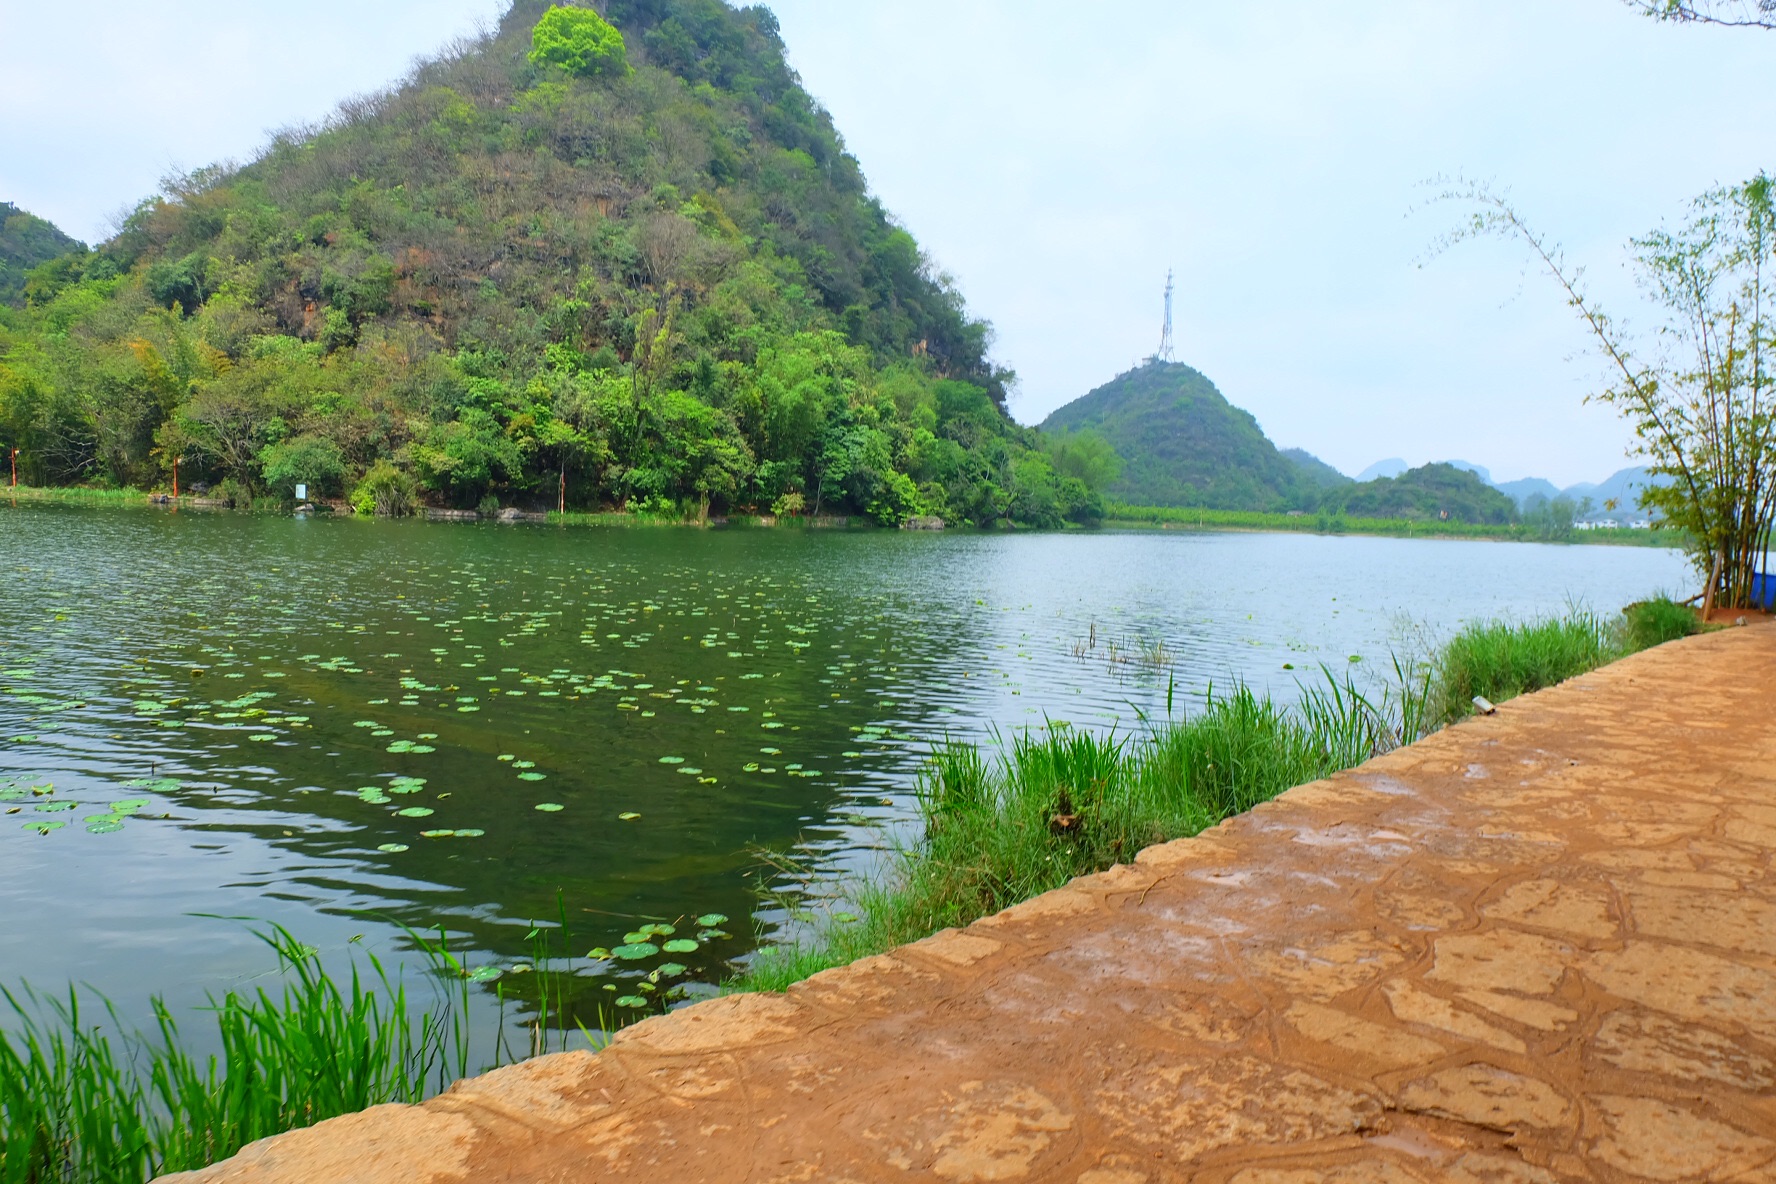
x,y
1540,946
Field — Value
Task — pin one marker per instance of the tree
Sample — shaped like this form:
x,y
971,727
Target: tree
x,y
1751,14
1085,456
1701,396
578,41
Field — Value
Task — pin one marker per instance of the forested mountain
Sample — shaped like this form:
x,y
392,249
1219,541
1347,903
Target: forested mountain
x,y
631,261
25,242
1429,493
1183,444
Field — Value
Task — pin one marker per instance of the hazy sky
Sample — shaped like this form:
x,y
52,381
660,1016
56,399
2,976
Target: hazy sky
x,y
1058,158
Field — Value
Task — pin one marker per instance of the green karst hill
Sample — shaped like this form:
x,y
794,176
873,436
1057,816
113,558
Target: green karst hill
x,y
1426,493
25,242
621,259
1183,444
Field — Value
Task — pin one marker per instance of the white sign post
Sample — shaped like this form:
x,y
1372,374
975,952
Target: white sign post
x,y
302,493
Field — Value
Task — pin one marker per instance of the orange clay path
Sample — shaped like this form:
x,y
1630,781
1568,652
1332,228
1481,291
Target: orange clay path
x,y
1539,946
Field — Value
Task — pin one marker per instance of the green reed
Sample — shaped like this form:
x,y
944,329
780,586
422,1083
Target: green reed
x,y
1061,802
85,1098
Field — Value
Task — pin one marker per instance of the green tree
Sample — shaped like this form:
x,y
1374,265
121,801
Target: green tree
x,y
1701,397
578,41
309,460
1085,456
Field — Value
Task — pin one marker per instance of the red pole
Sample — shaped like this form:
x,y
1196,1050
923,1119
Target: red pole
x,y
176,461
561,501
15,468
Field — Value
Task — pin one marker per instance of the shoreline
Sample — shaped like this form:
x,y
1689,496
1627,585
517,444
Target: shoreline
x,y
1127,518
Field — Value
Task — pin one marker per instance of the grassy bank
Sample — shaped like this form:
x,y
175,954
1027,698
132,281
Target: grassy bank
x,y
1121,515
999,829
1124,515
79,495
1060,803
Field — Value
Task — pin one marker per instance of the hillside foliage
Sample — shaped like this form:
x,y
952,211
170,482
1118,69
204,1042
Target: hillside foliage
x,y
1183,444
1435,492
25,242
527,275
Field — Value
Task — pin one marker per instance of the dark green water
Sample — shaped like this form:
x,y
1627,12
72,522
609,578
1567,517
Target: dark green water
x,y
347,726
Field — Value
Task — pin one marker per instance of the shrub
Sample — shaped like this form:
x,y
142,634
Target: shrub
x,y
385,491
1657,621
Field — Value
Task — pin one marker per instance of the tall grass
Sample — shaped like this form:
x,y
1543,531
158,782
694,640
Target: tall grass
x,y
84,1098
72,493
1061,802
1500,660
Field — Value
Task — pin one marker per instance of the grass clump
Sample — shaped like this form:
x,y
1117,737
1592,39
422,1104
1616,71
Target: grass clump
x,y
1657,621
1061,802
1500,660
82,1098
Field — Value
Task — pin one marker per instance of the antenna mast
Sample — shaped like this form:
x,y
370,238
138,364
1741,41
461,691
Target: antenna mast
x,y
1164,353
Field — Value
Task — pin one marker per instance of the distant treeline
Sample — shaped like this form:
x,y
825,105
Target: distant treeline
x,y
1338,523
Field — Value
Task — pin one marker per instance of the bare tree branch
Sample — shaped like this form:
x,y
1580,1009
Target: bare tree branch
x,y
1738,14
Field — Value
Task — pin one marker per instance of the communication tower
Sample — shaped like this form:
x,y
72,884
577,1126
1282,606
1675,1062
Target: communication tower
x,y
1164,353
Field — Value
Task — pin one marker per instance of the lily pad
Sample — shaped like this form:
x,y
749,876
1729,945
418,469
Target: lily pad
x,y
671,969
550,807
484,974
533,776
631,1001
393,848
628,816
45,826
711,919
672,760
104,824
680,945
56,807
635,951
416,812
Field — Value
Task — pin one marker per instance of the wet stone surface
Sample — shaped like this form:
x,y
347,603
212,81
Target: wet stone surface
x,y
1537,947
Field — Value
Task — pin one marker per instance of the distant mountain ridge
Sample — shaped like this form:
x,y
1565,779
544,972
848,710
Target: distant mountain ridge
x,y
1182,443
1616,496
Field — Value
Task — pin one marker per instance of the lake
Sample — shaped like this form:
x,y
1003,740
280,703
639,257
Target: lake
x,y
346,727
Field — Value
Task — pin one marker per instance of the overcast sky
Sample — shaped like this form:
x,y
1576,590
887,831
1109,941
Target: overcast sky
x,y
1058,158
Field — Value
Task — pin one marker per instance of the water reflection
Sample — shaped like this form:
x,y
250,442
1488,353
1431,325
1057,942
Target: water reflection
x,y
347,727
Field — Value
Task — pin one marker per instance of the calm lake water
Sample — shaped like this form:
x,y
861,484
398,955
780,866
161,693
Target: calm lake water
x,y
346,727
